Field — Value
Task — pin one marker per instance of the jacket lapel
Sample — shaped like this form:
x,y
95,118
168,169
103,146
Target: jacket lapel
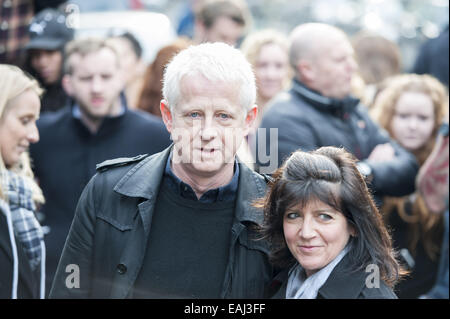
x,y
251,187
142,181
343,284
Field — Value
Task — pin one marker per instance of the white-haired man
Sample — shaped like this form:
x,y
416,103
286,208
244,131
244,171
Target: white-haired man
x,y
178,224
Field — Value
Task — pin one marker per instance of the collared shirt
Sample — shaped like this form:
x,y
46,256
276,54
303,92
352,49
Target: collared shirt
x,y
224,193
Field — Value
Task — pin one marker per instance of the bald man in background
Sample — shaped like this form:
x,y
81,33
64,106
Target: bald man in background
x,y
319,111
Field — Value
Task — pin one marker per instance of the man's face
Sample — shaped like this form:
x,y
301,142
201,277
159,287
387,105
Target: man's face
x,y
207,126
333,67
224,30
47,63
95,82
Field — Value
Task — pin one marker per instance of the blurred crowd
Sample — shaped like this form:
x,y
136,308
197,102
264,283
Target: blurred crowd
x,y
80,101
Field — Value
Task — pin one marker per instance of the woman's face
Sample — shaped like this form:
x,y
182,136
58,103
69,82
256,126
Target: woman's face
x,y
413,121
315,234
271,70
18,126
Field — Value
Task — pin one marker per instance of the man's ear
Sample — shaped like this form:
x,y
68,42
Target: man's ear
x,y
305,70
66,82
250,119
166,115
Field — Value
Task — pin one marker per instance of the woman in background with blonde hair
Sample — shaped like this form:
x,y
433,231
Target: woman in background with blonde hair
x,y
412,108
22,249
267,52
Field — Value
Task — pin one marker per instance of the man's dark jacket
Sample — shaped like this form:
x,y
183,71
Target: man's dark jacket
x,y
109,234
307,120
64,161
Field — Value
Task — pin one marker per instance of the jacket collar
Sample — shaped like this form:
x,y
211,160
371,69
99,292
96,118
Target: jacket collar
x,y
75,111
343,283
251,186
144,179
322,102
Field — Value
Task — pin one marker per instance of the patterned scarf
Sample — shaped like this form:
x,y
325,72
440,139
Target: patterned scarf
x,y
27,229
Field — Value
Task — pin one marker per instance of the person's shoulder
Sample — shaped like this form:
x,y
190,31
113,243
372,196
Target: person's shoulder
x,y
123,162
263,178
284,103
50,119
283,110
111,171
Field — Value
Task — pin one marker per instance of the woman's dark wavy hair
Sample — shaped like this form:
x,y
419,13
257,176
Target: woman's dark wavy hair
x,y
330,175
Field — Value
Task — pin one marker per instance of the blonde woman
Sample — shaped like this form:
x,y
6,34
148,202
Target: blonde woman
x,y
412,108
267,52
22,249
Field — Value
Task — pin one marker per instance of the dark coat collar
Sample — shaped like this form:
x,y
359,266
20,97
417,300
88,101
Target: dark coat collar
x,y
322,102
341,284
144,180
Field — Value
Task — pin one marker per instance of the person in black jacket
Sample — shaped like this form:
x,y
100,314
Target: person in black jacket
x,y
178,224
319,111
325,231
22,248
97,126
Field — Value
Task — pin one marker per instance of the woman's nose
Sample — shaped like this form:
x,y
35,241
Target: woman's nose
x,y
307,229
33,134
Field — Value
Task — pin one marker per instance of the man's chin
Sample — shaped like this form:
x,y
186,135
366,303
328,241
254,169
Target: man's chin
x,y
96,112
207,168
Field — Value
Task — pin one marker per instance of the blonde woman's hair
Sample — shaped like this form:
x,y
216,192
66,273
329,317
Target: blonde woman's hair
x,y
13,82
253,43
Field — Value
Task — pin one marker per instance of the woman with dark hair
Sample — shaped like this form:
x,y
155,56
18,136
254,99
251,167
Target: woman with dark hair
x,y
327,235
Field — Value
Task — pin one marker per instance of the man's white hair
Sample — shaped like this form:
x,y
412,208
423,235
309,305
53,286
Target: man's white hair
x,y
217,62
